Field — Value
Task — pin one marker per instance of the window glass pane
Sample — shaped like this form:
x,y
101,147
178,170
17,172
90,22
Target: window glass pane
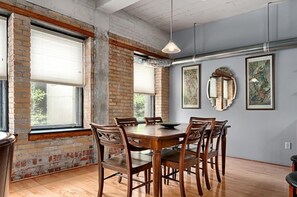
x,y
3,105
143,106
3,48
55,106
56,58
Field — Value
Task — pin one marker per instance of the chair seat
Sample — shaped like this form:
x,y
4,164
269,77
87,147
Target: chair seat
x,y
118,163
150,153
292,179
174,157
294,158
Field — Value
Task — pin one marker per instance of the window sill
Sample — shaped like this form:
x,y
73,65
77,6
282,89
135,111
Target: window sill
x,y
57,133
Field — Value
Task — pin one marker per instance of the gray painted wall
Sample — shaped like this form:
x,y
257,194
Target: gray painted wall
x,y
242,30
256,135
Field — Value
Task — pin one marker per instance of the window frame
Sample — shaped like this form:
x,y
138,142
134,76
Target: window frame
x,y
55,128
4,88
152,96
80,106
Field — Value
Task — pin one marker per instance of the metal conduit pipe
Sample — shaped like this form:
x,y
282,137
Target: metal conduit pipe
x,y
247,50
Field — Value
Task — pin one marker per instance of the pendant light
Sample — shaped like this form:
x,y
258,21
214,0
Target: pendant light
x,y
171,47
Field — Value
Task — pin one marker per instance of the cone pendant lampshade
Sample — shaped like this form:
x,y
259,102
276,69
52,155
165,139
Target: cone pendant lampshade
x,y
171,47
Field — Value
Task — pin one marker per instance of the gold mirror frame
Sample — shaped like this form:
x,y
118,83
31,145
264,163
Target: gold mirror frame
x,y
221,88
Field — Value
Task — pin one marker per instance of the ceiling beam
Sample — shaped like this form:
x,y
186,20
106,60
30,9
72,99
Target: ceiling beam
x,y
111,6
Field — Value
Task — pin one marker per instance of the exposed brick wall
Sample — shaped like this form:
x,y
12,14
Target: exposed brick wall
x,y
33,158
162,93
121,81
44,156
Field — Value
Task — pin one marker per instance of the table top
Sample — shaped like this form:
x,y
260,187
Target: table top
x,y
156,131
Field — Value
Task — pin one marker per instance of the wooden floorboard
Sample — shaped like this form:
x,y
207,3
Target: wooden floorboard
x,y
243,179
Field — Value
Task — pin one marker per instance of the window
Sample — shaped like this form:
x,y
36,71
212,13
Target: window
x,y
144,89
56,80
3,74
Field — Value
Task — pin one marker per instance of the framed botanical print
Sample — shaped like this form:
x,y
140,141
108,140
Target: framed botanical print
x,y
191,87
260,83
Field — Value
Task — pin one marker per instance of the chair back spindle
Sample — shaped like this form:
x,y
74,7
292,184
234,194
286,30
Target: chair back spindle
x,y
152,120
126,121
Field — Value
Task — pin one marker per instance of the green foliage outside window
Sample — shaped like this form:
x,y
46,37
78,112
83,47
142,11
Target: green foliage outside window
x,y
139,108
38,103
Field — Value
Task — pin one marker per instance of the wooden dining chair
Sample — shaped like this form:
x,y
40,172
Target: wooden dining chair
x,y
131,121
125,122
205,144
181,159
126,163
152,120
211,152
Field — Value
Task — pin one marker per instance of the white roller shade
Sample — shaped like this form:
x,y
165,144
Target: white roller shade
x,y
144,78
56,58
3,51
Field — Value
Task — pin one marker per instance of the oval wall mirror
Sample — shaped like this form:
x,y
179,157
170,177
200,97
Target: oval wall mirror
x,y
221,88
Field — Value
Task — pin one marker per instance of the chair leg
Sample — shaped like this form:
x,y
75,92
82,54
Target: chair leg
x,y
294,192
100,181
198,181
174,175
217,168
129,184
165,173
206,173
181,183
145,180
211,163
188,170
149,179
168,172
120,178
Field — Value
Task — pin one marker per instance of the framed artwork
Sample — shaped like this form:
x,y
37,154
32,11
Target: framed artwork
x,y
260,83
191,87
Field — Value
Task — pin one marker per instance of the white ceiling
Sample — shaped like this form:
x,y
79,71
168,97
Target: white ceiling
x,y
185,12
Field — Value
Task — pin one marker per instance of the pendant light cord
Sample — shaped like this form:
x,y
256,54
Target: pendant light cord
x,y
195,50
268,25
171,20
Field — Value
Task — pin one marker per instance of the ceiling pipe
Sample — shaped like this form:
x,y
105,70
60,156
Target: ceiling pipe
x,y
247,50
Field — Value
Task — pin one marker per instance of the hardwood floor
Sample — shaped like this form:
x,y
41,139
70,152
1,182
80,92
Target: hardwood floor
x,y
243,179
